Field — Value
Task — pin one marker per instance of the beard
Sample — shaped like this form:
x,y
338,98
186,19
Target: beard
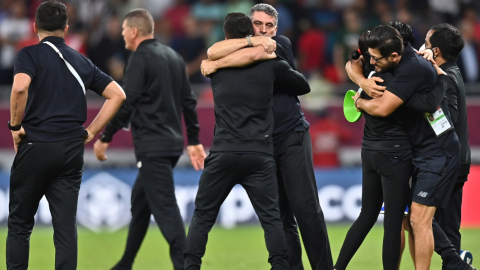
x,y
384,68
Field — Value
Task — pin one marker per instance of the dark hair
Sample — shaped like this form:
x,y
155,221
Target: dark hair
x,y
385,39
362,48
141,19
448,39
405,30
237,25
51,16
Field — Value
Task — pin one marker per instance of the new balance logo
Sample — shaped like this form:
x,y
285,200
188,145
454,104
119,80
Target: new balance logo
x,y
469,261
422,194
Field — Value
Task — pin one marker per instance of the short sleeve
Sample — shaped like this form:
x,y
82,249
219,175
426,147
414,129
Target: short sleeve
x,y
24,64
100,80
284,50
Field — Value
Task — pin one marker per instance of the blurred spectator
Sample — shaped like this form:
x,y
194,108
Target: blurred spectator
x,y
448,10
110,54
175,16
13,28
383,12
193,50
326,16
93,14
471,15
76,35
285,20
404,15
242,6
122,7
157,7
347,41
311,47
327,137
210,15
321,93
162,31
468,60
343,3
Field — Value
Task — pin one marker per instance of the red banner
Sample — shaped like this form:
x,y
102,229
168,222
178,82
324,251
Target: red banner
x,y
471,199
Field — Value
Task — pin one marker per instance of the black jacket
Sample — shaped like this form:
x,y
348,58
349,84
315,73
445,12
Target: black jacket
x,y
453,89
243,104
158,91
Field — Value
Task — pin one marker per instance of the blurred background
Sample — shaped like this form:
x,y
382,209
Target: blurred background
x,y
322,32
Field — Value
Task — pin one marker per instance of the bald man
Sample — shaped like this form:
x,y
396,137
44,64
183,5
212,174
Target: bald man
x,y
158,92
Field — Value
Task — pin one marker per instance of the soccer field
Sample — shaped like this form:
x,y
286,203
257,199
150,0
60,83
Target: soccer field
x,y
239,248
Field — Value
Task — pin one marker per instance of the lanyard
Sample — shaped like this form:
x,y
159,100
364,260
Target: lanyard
x,y
72,70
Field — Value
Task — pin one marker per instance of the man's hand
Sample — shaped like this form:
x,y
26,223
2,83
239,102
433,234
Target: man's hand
x,y
371,87
354,70
208,67
89,137
427,54
355,99
197,156
17,138
269,44
99,148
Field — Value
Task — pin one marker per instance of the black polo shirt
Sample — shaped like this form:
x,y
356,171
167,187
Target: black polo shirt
x,y
288,115
56,106
243,104
385,133
416,75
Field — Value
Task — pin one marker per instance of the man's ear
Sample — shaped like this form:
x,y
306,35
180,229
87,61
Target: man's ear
x,y
395,56
35,29
65,30
439,52
135,32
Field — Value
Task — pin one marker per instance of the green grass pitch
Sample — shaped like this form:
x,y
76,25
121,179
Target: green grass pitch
x,y
239,248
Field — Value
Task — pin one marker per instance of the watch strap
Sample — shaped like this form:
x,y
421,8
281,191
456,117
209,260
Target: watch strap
x,y
14,128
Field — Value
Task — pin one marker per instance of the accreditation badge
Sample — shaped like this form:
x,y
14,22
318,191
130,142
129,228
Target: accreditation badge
x,y
438,121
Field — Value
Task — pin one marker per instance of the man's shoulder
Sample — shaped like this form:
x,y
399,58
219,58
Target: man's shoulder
x,y
283,40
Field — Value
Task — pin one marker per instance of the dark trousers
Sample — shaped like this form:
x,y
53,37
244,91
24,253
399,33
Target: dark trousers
x,y
53,169
449,218
446,229
382,181
298,200
223,170
154,193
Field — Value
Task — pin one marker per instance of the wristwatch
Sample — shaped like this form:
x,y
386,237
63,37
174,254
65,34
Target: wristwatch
x,y
249,41
105,138
14,128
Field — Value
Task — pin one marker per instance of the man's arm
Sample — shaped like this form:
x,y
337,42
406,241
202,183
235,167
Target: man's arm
x,y
452,98
430,101
382,107
189,103
133,84
18,102
354,70
290,80
239,58
115,97
226,47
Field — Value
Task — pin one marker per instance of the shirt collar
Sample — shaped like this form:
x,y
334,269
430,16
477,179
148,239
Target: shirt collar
x,y
54,40
448,65
146,41
407,52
